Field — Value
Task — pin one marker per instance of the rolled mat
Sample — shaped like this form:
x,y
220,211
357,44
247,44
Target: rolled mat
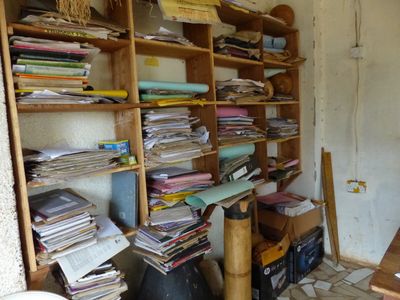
x,y
173,86
231,111
237,151
218,193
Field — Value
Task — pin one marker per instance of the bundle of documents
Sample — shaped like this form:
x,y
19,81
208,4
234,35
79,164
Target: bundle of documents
x,y
243,4
281,128
169,186
61,223
236,127
243,167
50,166
169,136
44,15
173,237
171,93
280,168
240,90
287,203
165,35
104,282
242,44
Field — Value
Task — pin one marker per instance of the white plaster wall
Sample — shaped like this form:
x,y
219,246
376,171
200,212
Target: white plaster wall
x,y
367,222
12,276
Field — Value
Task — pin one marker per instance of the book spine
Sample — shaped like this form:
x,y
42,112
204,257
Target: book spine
x,y
47,70
61,64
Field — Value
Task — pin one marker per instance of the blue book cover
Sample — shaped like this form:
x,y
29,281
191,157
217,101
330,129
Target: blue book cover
x,y
124,202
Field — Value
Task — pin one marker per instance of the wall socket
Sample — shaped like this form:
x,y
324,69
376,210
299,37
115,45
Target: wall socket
x,y
357,52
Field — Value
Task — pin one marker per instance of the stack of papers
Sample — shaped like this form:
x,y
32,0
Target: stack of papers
x,y
173,237
281,128
104,282
169,136
169,186
46,17
240,90
40,64
280,168
50,166
165,35
236,128
61,223
286,203
243,167
242,44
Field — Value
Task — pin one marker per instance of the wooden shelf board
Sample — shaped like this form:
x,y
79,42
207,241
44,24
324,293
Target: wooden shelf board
x,y
213,152
28,30
242,143
276,28
106,172
283,139
38,108
235,15
281,102
165,49
154,105
225,61
231,103
270,63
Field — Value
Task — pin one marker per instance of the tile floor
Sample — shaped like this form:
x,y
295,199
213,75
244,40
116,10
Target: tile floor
x,y
344,282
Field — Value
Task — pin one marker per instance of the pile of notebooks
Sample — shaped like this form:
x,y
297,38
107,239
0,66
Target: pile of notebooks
x,y
243,167
241,91
61,224
242,44
103,283
165,35
44,15
236,126
169,136
54,165
169,186
280,168
281,128
172,237
56,72
170,93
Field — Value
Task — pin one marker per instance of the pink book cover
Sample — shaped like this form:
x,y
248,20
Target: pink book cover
x,y
232,112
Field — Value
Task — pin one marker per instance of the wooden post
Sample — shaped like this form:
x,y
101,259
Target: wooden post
x,y
237,245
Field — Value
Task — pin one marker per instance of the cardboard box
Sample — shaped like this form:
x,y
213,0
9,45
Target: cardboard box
x,y
275,226
305,255
271,278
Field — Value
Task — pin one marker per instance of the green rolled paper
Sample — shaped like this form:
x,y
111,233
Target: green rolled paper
x,y
174,86
218,193
236,151
147,97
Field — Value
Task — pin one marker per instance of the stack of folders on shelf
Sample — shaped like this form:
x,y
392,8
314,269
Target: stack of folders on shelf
x,y
236,126
242,44
241,91
169,136
56,72
48,166
166,93
168,187
280,168
243,167
103,283
44,15
172,237
61,224
278,128
165,35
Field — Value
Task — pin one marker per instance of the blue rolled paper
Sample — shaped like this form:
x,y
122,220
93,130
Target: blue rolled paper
x,y
173,86
219,193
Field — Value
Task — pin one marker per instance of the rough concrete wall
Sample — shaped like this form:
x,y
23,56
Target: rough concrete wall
x,y
12,278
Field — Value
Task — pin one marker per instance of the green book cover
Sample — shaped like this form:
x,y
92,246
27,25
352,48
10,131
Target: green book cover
x,y
48,63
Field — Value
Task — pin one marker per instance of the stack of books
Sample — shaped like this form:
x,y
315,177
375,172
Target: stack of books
x,y
169,186
243,167
242,44
172,237
241,91
237,127
103,283
280,168
282,128
49,166
169,136
61,224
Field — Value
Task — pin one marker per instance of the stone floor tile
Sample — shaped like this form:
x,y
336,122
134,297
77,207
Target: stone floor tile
x,y
320,275
309,290
298,294
327,269
357,292
339,283
376,295
337,268
283,298
349,265
359,275
337,298
338,277
364,284
286,293
323,285
342,291
306,280
324,293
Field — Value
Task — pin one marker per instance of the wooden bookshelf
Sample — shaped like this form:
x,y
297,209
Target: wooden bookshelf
x,y
274,64
228,145
283,140
38,108
226,61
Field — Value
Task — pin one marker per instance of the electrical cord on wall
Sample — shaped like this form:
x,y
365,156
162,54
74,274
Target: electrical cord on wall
x,y
357,23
